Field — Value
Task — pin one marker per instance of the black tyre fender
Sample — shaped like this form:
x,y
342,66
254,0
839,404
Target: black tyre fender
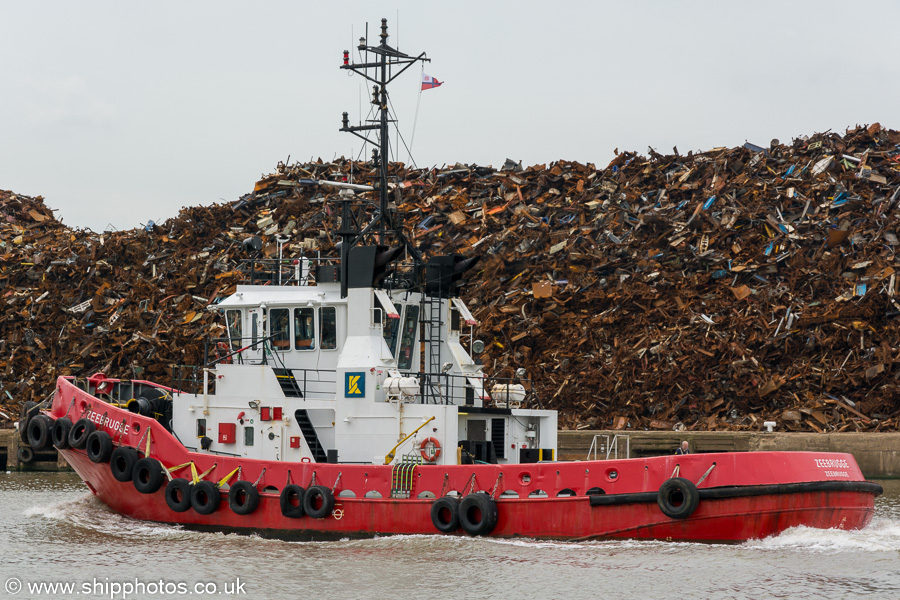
x,y
29,409
478,514
79,433
678,498
445,514
291,493
243,498
39,432
122,461
148,475
178,495
99,447
59,433
318,501
25,454
205,497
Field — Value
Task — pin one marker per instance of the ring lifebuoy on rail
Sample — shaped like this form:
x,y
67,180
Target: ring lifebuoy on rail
x,y
223,353
678,498
430,449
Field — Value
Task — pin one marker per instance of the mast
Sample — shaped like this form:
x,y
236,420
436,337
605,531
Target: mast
x,y
378,67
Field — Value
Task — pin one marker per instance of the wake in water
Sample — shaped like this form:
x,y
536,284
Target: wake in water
x,y
881,535
88,513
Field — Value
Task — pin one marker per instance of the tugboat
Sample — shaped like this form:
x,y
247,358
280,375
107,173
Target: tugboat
x,y
344,401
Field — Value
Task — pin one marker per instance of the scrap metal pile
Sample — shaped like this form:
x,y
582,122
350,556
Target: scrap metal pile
x,y
715,290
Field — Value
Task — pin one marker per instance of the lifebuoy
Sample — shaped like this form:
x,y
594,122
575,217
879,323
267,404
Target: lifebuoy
x,y
430,449
222,353
678,498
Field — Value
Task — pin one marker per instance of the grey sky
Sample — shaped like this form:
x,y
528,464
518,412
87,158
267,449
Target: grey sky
x,y
118,112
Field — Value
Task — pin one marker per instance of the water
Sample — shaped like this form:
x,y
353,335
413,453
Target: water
x,y
52,530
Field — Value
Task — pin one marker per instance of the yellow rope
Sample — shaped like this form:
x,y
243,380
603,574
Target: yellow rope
x,y
227,477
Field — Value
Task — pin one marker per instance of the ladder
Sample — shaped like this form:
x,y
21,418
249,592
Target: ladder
x,y
431,317
288,383
309,434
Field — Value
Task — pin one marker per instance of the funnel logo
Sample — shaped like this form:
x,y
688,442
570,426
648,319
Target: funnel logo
x,y
354,385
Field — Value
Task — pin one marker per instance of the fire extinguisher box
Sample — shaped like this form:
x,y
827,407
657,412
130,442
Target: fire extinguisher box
x,y
226,433
295,441
276,413
265,413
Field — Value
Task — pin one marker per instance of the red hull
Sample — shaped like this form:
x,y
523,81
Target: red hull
x,y
845,505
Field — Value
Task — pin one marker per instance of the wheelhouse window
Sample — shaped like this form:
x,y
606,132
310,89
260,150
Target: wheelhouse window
x,y
280,328
391,332
328,327
304,329
408,337
233,320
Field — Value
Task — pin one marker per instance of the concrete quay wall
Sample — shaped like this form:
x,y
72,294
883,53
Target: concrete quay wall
x,y
878,454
